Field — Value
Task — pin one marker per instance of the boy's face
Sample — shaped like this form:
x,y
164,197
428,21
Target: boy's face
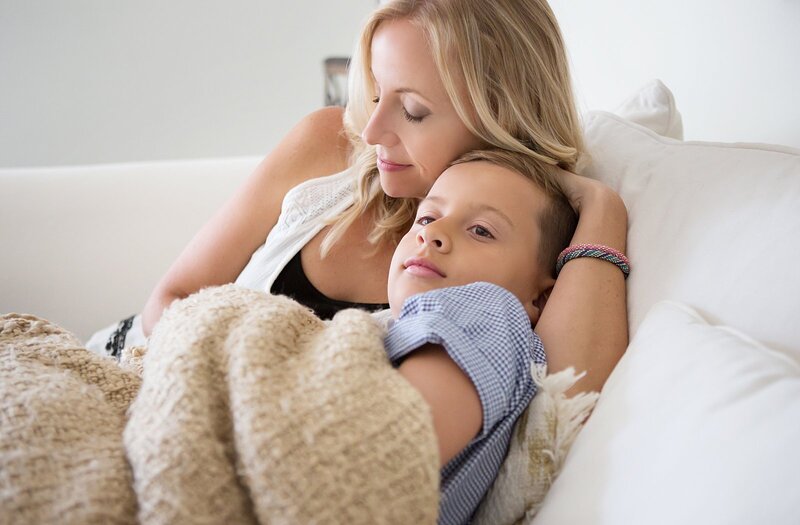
x,y
479,222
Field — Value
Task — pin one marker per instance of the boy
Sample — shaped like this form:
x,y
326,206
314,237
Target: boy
x,y
497,217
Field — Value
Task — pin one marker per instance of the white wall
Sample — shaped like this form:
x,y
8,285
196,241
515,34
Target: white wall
x,y
95,81
733,65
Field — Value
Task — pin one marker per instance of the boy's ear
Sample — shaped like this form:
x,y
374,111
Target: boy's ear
x,y
535,307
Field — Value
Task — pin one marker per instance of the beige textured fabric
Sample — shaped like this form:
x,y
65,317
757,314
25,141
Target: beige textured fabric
x,y
542,438
62,412
252,410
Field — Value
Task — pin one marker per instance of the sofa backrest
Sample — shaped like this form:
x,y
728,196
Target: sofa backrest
x,y
84,246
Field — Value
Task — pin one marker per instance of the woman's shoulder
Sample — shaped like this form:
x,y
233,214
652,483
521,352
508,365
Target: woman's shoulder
x,y
315,147
328,119
322,147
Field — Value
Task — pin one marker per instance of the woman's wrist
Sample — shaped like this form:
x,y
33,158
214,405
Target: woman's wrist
x,y
153,309
603,218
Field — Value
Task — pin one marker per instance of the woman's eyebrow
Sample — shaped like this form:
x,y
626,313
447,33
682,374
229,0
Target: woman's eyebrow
x,y
415,92
403,89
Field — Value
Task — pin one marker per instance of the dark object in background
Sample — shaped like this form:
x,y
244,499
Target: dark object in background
x,y
336,81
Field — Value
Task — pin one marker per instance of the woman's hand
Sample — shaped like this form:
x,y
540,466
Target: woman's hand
x,y
584,324
603,218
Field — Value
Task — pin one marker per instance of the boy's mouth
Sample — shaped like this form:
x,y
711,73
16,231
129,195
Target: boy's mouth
x,y
422,267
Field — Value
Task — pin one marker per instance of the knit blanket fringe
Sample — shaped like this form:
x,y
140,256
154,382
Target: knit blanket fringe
x,y
245,408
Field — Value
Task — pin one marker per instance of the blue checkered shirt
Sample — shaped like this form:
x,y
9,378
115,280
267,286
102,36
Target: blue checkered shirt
x,y
486,331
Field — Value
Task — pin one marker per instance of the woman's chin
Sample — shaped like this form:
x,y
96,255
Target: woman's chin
x,y
397,189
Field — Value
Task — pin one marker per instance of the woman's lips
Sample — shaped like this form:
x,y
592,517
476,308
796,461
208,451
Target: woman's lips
x,y
422,268
385,165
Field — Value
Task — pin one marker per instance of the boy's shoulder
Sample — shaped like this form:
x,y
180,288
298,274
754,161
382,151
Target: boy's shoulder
x,y
479,296
481,309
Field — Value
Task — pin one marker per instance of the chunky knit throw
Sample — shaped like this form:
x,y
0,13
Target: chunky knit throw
x,y
249,410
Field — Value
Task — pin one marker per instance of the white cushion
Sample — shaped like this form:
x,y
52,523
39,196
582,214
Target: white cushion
x,y
546,430
691,209
712,225
697,424
653,106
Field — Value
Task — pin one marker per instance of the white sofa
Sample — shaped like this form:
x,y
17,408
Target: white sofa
x,y
699,422
83,246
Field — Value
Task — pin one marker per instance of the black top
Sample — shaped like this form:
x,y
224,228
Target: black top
x,y
293,282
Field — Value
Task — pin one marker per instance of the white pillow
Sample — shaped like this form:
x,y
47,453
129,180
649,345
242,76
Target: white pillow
x,y
697,424
653,107
713,225
544,433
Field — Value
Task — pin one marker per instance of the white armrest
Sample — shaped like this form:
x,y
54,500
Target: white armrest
x,y
84,246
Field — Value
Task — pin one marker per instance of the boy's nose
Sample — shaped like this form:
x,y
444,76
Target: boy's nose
x,y
434,237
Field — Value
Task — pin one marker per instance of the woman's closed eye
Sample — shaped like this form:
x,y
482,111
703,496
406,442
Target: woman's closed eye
x,y
412,118
413,111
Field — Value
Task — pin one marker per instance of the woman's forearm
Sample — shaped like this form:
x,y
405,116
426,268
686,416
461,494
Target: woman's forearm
x,y
584,324
159,300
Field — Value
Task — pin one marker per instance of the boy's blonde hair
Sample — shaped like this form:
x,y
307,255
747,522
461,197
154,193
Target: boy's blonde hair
x,y
558,219
503,64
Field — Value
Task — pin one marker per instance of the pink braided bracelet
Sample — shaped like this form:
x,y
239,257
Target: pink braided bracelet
x,y
597,251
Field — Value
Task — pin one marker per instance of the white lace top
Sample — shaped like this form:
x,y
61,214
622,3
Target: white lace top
x,y
304,211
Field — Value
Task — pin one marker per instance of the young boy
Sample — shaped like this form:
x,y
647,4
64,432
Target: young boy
x,y
466,285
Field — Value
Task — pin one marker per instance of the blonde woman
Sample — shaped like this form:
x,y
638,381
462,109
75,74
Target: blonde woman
x,y
431,80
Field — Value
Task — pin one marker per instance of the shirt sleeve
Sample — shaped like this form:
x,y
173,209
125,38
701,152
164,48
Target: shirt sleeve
x,y
485,331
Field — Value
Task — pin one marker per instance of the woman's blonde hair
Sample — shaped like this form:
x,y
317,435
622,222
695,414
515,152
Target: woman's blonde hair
x,y
504,66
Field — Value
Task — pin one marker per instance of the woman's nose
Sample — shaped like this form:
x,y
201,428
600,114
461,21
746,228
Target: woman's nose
x,y
379,129
435,236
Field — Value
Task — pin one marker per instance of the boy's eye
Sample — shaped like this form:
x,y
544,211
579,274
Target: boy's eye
x,y
480,231
425,220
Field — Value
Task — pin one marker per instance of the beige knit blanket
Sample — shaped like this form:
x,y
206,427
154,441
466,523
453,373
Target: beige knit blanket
x,y
249,410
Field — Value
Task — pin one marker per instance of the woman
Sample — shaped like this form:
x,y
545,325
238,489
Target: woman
x,y
430,80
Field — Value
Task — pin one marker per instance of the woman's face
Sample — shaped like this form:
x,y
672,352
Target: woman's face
x,y
414,126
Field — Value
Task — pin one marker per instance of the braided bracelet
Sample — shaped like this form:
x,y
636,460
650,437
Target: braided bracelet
x,y
597,251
